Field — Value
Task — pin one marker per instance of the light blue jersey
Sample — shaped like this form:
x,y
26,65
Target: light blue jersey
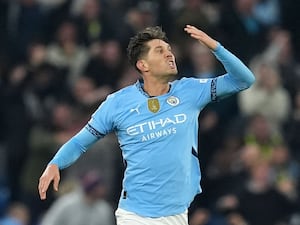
x,y
158,137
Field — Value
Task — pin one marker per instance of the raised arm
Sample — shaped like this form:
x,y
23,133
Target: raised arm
x,y
238,76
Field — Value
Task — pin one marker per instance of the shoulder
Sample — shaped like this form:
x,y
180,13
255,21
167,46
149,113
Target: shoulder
x,y
184,81
116,100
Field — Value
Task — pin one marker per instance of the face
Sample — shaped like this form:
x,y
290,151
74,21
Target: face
x,y
159,61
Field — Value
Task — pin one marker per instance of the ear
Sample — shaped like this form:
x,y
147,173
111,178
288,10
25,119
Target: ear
x,y
142,65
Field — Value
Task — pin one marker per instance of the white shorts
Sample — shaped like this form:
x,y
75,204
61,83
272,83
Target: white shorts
x,y
129,218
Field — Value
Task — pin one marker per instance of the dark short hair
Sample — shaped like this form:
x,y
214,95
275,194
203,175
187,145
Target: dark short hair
x,y
137,46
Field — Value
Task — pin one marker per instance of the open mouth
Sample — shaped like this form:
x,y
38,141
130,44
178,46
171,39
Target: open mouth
x,y
172,64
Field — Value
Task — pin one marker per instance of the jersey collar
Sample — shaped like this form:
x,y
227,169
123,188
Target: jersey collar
x,y
140,86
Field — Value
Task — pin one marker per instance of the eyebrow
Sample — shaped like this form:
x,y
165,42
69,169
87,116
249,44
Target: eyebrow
x,y
160,46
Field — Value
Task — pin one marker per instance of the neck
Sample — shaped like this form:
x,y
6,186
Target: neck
x,y
155,87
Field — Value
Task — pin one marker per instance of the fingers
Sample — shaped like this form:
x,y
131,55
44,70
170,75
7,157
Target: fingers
x,y
195,33
201,36
190,27
192,30
50,174
55,183
43,187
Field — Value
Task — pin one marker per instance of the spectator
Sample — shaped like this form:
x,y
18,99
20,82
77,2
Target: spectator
x,y
281,52
17,214
85,205
137,17
200,216
292,128
93,23
258,132
260,198
268,12
36,54
46,86
16,124
290,14
267,97
107,65
25,22
129,76
44,137
286,172
199,12
86,95
223,173
239,26
66,52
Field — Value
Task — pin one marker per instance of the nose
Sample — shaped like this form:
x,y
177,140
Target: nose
x,y
169,54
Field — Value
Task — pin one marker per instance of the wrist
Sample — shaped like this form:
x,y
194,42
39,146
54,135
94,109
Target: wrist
x,y
214,45
53,164
217,46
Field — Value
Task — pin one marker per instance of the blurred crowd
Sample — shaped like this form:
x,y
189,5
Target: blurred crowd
x,y
60,58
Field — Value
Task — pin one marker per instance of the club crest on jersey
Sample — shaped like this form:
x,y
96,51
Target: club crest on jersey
x,y
153,105
173,101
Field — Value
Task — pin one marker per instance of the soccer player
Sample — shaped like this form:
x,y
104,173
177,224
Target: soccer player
x,y
156,122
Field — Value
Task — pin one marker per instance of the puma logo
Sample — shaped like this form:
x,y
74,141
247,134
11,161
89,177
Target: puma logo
x,y
136,109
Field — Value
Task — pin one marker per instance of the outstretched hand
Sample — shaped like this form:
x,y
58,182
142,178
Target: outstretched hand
x,y
50,174
201,36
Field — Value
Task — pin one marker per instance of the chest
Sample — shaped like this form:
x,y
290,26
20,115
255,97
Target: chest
x,y
155,118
